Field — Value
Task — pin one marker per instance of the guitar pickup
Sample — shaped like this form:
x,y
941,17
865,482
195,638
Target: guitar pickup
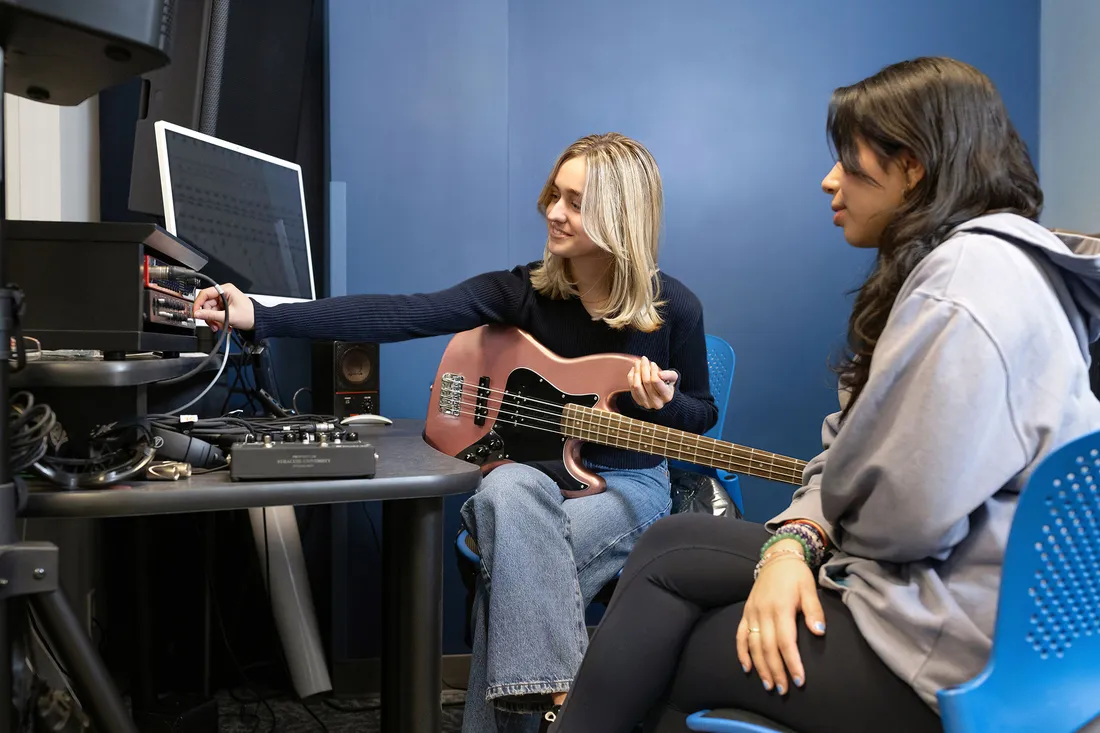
x,y
481,407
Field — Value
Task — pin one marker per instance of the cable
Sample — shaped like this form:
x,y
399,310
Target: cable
x,y
243,364
240,670
268,367
230,429
236,663
247,366
186,274
45,645
294,399
349,709
115,452
30,427
215,469
232,389
373,530
267,562
225,360
222,344
314,716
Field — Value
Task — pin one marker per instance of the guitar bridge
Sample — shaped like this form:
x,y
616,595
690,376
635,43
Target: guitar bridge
x,y
450,394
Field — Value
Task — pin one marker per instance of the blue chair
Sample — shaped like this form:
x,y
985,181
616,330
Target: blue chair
x,y
721,361
732,721
1042,675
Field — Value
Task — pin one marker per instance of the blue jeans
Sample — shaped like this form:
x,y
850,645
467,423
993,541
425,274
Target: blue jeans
x,y
543,559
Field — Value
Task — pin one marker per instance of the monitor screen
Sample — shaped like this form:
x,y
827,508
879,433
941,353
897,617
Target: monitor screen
x,y
243,209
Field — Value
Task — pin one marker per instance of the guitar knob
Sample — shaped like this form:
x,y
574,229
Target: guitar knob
x,y
482,451
495,443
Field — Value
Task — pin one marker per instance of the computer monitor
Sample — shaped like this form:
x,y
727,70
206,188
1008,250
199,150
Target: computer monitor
x,y
243,209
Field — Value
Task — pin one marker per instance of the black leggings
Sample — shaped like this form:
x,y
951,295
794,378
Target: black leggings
x,y
667,647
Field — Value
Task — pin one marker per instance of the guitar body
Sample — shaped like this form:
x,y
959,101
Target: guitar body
x,y
497,398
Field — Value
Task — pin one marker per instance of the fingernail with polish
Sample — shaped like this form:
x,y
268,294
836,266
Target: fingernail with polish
x,y
767,685
820,627
745,668
798,682
779,689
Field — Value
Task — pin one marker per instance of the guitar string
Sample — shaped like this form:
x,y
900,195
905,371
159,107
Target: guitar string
x,y
449,384
736,464
711,453
713,449
794,464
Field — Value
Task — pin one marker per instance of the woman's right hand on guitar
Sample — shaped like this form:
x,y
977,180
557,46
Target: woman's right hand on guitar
x,y
209,308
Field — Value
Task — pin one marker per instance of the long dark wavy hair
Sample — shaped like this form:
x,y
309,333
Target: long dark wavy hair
x,y
950,117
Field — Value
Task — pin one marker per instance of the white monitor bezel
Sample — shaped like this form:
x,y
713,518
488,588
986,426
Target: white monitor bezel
x,y
161,127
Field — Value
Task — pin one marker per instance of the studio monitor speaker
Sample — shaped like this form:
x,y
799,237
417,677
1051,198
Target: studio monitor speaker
x,y
345,378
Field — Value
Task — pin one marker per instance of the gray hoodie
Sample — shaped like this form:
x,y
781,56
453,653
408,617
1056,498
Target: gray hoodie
x,y
982,371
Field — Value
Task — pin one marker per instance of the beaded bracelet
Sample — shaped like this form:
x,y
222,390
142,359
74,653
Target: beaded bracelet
x,y
807,554
771,556
816,527
807,535
810,532
810,537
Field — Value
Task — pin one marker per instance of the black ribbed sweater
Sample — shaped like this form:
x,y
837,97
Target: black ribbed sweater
x,y
563,326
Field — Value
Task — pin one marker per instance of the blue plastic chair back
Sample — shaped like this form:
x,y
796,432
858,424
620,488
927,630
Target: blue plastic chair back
x,y
720,364
1042,674
720,361
732,721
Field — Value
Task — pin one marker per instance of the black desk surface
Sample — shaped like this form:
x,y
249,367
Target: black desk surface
x,y
408,468
135,370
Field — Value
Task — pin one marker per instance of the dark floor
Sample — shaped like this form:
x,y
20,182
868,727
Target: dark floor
x,y
238,714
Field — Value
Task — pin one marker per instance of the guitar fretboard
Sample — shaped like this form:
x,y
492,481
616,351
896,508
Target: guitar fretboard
x,y
620,431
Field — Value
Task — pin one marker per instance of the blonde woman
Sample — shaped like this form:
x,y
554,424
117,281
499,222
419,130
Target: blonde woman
x,y
596,290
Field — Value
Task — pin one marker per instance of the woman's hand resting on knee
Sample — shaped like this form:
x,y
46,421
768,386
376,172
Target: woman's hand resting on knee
x,y
767,637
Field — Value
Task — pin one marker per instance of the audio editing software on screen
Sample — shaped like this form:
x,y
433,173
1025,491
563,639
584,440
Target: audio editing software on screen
x,y
244,213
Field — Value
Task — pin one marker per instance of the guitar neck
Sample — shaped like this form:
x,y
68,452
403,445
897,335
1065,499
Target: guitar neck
x,y
613,429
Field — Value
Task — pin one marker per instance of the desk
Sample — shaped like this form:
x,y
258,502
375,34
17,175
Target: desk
x,y
135,370
412,479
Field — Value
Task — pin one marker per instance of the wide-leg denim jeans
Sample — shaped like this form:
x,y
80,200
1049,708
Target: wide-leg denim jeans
x,y
543,559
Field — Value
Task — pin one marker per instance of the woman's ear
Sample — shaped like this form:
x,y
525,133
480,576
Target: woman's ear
x,y
912,167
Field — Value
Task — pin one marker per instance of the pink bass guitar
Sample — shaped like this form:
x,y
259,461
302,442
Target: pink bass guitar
x,y
502,397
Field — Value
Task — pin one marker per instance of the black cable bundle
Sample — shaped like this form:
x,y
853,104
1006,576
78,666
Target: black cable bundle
x,y
230,429
115,452
38,441
31,426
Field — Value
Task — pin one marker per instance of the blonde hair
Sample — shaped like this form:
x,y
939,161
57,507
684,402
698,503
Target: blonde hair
x,y
621,209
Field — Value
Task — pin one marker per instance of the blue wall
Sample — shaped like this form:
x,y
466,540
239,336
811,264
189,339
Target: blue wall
x,y
445,118
1070,107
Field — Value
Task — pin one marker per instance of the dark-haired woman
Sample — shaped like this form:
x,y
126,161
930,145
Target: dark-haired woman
x,y
968,364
